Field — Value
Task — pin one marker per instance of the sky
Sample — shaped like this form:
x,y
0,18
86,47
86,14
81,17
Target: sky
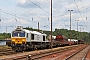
x,y
28,13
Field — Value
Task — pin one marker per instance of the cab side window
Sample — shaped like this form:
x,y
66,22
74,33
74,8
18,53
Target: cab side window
x,y
27,35
32,36
43,38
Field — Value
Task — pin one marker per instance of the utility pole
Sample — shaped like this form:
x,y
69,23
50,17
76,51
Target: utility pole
x,y
77,30
32,23
83,29
0,17
51,24
38,26
0,22
80,27
80,31
6,29
70,24
16,20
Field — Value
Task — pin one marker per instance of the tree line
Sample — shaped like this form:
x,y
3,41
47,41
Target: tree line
x,y
4,36
74,34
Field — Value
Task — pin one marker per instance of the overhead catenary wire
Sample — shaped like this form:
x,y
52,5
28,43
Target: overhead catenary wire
x,y
38,6
15,5
56,9
10,14
22,10
87,17
83,12
15,16
42,8
79,10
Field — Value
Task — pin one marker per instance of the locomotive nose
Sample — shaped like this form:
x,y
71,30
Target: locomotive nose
x,y
19,40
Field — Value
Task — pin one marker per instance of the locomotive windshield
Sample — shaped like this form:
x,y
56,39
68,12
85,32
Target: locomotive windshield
x,y
22,34
18,34
15,34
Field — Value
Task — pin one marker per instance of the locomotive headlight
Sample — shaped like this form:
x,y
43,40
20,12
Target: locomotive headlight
x,y
23,41
13,40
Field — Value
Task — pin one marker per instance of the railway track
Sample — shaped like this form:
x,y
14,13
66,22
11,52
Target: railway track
x,y
87,53
38,55
6,51
52,53
87,57
80,55
34,54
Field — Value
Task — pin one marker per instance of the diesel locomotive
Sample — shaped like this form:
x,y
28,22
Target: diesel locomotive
x,y
23,39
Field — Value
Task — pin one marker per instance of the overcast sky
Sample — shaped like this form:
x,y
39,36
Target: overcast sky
x,y
29,12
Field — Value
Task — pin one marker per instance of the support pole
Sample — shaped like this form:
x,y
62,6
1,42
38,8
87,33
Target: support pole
x,y
70,25
38,26
51,23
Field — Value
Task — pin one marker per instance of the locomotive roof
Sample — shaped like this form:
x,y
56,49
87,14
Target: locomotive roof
x,y
33,32
28,31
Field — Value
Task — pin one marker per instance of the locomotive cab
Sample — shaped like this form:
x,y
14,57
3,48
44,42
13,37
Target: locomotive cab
x,y
18,38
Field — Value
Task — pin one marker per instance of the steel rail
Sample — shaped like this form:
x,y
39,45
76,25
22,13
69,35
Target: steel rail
x,y
30,55
74,53
48,53
86,53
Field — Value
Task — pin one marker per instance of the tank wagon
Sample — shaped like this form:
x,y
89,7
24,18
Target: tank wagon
x,y
22,39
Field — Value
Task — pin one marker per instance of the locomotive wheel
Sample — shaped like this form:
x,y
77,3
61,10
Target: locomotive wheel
x,y
35,48
17,49
20,49
14,48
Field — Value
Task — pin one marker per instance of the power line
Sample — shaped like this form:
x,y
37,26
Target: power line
x,y
56,9
41,8
38,6
11,3
79,10
23,9
17,7
14,15
10,14
31,2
